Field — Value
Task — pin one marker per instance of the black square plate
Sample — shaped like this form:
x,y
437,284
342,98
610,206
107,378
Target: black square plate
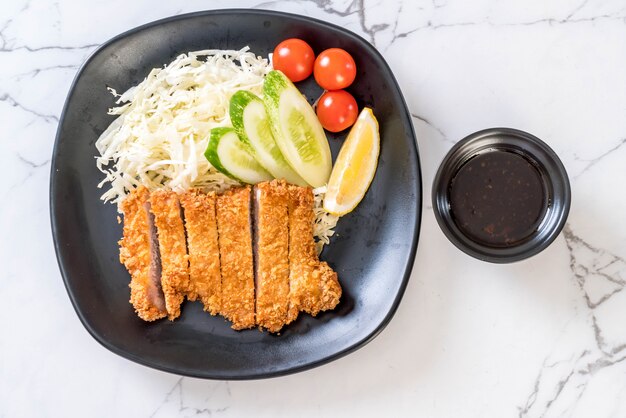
x,y
373,250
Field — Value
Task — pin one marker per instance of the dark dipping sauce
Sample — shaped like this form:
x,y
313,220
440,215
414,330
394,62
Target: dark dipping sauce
x,y
497,198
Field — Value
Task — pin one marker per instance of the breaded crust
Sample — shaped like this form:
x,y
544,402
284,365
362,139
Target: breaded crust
x,y
330,287
272,254
174,260
146,295
305,290
205,279
235,243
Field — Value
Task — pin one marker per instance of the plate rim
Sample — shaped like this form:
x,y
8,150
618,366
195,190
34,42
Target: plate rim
x,y
212,374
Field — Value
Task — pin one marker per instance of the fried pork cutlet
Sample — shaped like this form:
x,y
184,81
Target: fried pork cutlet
x,y
259,276
173,247
139,252
313,285
272,254
205,280
235,244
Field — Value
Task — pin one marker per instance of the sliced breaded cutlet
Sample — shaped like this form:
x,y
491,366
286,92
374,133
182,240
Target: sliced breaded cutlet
x,y
166,209
205,279
236,260
271,249
313,285
139,252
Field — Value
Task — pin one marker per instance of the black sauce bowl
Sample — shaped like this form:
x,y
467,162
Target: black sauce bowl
x,y
555,183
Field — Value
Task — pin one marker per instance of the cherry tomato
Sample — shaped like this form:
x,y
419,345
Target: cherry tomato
x,y
294,58
334,69
337,110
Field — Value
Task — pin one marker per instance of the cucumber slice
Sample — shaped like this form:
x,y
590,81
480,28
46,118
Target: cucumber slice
x,y
297,130
250,120
229,155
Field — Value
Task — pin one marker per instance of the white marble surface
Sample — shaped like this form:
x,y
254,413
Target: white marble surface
x,y
541,338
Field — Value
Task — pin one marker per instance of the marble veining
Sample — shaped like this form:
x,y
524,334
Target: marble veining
x,y
599,275
540,338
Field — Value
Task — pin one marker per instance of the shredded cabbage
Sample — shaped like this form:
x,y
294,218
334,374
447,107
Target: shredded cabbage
x,y
163,123
325,222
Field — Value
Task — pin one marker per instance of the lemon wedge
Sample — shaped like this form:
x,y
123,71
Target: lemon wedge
x,y
355,166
